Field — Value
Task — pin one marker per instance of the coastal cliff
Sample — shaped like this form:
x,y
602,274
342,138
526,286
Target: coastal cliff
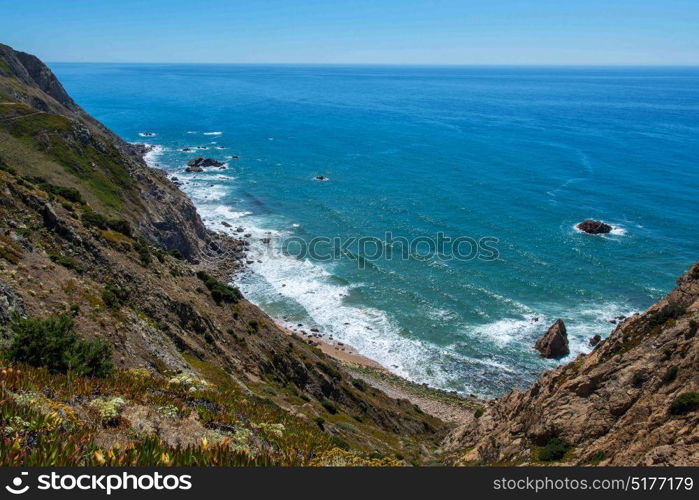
x,y
161,362
632,401
94,238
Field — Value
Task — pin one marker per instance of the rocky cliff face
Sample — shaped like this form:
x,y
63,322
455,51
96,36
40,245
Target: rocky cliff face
x,y
39,115
632,401
88,230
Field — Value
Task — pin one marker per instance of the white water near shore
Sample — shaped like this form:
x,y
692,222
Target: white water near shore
x,y
278,282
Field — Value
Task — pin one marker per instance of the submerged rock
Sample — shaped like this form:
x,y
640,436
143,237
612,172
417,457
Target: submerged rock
x,y
594,227
554,343
321,178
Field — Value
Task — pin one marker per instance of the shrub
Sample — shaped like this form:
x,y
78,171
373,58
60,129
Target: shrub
x,y
684,403
176,254
340,443
54,344
69,193
141,246
554,450
638,379
220,292
478,413
65,261
7,168
358,384
329,406
254,325
670,374
94,219
91,218
114,296
329,370
109,410
597,457
121,226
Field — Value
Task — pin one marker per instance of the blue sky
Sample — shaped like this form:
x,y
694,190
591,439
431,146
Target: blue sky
x,y
357,31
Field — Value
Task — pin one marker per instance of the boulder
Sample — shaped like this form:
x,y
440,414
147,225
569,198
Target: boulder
x,y
594,227
594,340
554,343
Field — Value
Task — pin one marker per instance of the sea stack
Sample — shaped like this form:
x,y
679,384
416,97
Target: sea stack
x,y
594,227
554,343
201,162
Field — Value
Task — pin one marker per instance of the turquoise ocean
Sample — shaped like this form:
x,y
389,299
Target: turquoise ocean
x,y
515,154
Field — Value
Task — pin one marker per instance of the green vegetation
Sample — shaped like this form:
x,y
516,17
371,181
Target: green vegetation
x,y
670,375
91,218
141,246
53,343
10,250
685,403
69,193
359,384
114,296
597,457
6,168
478,413
97,166
220,292
108,409
552,451
65,261
176,254
638,379
53,419
329,406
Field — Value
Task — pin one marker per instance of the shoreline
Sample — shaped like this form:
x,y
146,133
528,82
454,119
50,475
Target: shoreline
x,y
449,407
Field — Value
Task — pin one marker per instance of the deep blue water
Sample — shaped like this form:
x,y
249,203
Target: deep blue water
x,y
518,154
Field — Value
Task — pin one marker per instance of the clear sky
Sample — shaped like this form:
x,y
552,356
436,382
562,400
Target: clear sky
x,y
356,31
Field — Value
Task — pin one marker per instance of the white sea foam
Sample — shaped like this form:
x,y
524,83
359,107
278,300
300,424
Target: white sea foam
x,y
213,133
153,155
507,330
370,331
147,134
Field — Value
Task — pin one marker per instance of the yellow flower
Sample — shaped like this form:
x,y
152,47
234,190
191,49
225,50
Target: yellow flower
x,y
204,443
165,459
99,456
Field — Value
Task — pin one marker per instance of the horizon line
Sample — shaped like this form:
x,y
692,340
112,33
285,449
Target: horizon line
x,y
501,65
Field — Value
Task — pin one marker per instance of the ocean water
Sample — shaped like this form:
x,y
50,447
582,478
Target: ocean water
x,y
518,155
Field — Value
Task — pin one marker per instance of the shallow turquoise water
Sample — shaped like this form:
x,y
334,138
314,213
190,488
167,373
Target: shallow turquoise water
x,y
518,154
